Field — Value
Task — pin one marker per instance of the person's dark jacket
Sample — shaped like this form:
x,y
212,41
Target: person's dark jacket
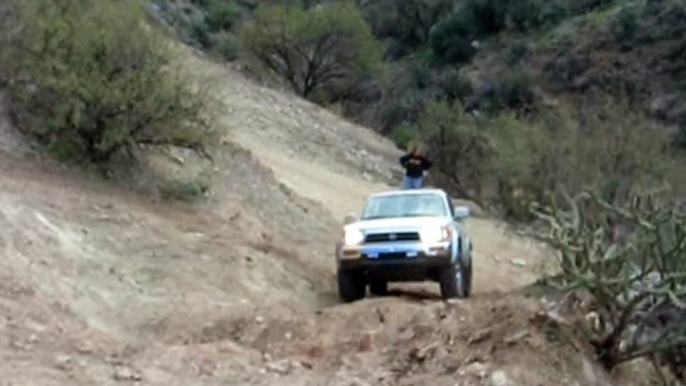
x,y
415,165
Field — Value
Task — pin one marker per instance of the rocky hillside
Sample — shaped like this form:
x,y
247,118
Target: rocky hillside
x,y
100,285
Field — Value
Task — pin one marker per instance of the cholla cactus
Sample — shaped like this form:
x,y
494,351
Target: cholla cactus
x,y
632,259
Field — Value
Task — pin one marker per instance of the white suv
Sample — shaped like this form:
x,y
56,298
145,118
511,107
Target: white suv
x,y
405,235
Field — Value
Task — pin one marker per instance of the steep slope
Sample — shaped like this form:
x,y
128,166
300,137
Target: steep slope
x,y
102,286
338,165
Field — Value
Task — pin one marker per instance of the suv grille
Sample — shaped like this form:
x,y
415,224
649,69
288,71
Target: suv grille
x,y
391,237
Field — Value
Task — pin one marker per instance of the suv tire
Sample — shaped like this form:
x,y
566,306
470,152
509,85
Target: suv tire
x,y
378,288
468,280
455,282
351,285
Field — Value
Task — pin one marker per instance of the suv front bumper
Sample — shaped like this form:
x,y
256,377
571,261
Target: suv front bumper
x,y
396,261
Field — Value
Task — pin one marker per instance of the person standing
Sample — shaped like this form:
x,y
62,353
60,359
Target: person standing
x,y
415,165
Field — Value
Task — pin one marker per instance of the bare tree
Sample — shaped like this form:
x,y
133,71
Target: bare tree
x,y
330,43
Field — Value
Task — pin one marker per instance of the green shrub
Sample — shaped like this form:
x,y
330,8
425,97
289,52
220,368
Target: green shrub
x,y
200,33
515,52
452,84
460,148
221,15
226,44
406,24
511,89
625,25
451,42
529,15
186,20
579,7
508,163
403,135
515,89
90,79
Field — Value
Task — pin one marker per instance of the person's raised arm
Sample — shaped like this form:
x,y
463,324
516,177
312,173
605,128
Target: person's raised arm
x,y
404,159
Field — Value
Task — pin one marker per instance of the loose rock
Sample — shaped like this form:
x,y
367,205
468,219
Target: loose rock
x,y
516,338
477,369
283,367
126,374
63,362
481,336
498,378
519,262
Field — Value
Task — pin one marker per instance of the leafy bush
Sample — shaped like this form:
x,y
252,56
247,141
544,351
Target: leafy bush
x,y
183,18
451,40
516,52
508,163
330,44
202,23
226,45
579,7
459,146
403,135
405,23
631,258
515,89
487,16
528,15
452,85
478,19
625,25
221,15
90,79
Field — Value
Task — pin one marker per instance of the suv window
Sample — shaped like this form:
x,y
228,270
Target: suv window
x,y
404,205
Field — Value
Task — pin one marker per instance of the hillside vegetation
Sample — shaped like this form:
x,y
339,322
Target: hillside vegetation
x,y
586,73
89,80
565,116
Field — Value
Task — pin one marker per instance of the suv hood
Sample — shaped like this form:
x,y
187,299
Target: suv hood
x,y
413,223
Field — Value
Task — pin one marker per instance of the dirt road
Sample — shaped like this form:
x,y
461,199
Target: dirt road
x,y
99,285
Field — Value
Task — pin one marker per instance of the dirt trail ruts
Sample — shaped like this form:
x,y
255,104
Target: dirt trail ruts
x,y
503,260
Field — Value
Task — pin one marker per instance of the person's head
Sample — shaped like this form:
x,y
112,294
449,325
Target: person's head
x,y
416,151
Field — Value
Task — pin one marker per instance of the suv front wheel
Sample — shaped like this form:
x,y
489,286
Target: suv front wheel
x,y
351,285
455,282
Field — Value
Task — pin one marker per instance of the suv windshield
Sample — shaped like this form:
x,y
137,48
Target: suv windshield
x,y
404,205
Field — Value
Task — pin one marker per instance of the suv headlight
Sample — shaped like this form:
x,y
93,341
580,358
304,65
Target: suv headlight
x,y
353,237
436,234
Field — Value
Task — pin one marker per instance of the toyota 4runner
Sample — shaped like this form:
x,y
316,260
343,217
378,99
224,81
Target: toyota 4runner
x,y
404,236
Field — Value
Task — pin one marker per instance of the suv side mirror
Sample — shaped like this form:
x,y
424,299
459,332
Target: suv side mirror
x,y
350,218
461,213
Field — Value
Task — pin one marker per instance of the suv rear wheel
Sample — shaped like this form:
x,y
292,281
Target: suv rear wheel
x,y
351,285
